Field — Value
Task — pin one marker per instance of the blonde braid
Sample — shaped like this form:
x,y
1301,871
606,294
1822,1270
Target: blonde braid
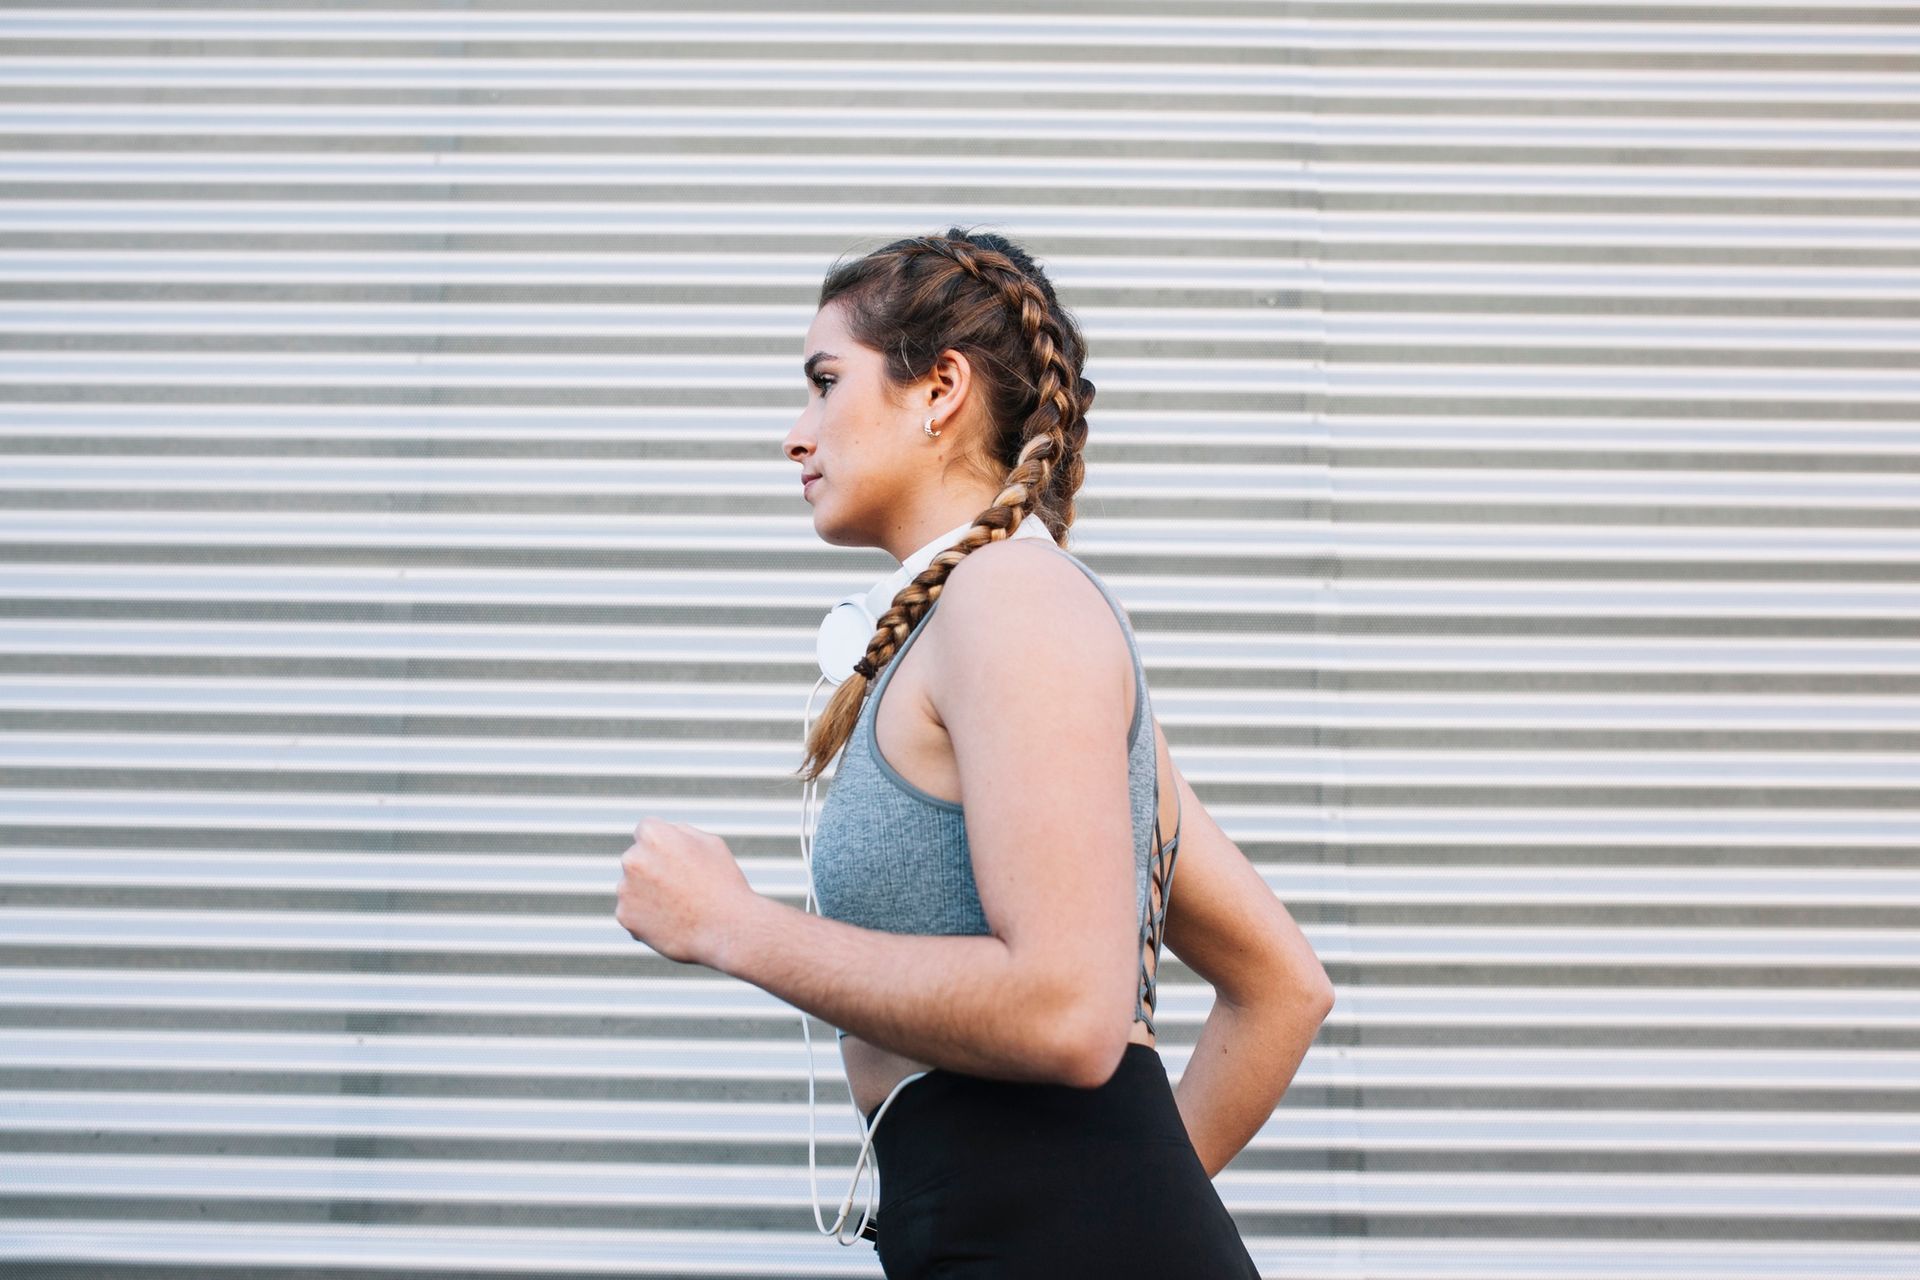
x,y
1042,480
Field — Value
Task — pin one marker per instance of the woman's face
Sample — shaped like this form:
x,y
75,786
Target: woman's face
x,y
856,437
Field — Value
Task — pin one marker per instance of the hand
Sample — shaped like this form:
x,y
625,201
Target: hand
x,y
679,888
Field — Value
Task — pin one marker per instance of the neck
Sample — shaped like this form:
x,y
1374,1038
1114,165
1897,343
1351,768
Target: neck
x,y
920,527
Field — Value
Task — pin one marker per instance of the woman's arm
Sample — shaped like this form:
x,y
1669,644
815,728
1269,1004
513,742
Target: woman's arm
x,y
1270,992
961,1001
1241,1065
969,1001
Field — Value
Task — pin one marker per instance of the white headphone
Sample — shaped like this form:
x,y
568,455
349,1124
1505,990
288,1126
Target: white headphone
x,y
842,642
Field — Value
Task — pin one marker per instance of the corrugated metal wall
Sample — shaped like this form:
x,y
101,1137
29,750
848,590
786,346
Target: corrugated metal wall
x,y
1507,449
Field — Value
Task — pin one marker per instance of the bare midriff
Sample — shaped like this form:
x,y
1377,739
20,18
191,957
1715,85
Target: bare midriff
x,y
872,1071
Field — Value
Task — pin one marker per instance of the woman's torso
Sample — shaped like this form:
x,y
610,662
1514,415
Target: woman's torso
x,y
911,739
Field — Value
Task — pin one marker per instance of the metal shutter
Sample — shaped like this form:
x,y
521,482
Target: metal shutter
x,y
1506,449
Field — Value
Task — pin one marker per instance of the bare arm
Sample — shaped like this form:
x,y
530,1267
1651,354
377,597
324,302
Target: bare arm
x,y
962,1002
1271,993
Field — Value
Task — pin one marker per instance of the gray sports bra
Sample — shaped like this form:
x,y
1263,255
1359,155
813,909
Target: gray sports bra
x,y
888,855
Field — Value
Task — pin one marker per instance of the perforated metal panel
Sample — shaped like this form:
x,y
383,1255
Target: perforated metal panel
x,y
1507,449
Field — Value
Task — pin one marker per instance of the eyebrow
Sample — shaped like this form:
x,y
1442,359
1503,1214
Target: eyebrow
x,y
816,358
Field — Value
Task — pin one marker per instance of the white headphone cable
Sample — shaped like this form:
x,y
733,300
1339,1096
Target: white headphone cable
x,y
808,790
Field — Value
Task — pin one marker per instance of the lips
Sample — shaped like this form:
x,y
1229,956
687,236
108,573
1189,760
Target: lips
x,y
807,479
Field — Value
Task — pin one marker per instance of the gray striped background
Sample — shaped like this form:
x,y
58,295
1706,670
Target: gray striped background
x,y
1507,449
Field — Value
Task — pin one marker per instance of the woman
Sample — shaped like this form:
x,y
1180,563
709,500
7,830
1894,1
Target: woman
x,y
985,947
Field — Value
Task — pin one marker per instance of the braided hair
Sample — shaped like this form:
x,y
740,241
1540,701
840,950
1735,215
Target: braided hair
x,y
981,294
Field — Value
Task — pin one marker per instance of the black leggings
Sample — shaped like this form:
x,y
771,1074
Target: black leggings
x,y
985,1177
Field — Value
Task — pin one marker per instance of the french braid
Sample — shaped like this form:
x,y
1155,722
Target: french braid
x,y
960,289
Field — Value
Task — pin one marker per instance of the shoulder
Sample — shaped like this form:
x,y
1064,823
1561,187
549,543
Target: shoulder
x,y
1025,582
1021,616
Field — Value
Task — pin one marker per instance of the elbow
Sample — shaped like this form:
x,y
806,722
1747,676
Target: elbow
x,y
1318,995
1292,995
1298,977
1088,1060
1086,1044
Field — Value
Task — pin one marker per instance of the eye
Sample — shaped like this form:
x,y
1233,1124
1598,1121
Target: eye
x,y
822,381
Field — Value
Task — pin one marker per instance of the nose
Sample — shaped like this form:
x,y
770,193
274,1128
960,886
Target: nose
x,y
797,446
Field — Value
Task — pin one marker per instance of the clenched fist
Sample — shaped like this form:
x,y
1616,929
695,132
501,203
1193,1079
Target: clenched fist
x,y
679,889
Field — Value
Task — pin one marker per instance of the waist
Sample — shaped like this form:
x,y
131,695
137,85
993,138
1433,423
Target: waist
x,y
958,1111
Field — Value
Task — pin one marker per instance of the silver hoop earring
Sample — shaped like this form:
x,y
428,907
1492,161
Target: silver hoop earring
x,y
928,428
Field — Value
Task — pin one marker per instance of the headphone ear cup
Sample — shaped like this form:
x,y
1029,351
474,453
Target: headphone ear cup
x,y
843,637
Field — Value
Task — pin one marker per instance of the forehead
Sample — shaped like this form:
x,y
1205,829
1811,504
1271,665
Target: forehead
x,y
828,330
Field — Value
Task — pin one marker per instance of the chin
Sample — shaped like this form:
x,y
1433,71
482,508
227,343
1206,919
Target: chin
x,y
839,535
824,529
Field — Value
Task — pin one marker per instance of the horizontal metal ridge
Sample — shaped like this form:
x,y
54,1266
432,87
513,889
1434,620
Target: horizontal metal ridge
x,y
1552,427
924,31
765,74
803,1252
1596,827
1274,651
667,1253
769,270
1553,552
243,756
1193,711
1735,337
657,1057
477,934
1101,180
241,1179
1182,1004
1779,87
1292,1128
533,875
655,478
1327,126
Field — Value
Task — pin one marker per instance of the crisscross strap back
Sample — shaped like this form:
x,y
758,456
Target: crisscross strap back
x,y
1153,928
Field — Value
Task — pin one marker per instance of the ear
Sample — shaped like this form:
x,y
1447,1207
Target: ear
x,y
949,384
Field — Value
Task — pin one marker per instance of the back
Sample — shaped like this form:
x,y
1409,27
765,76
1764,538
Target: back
x,y
887,855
